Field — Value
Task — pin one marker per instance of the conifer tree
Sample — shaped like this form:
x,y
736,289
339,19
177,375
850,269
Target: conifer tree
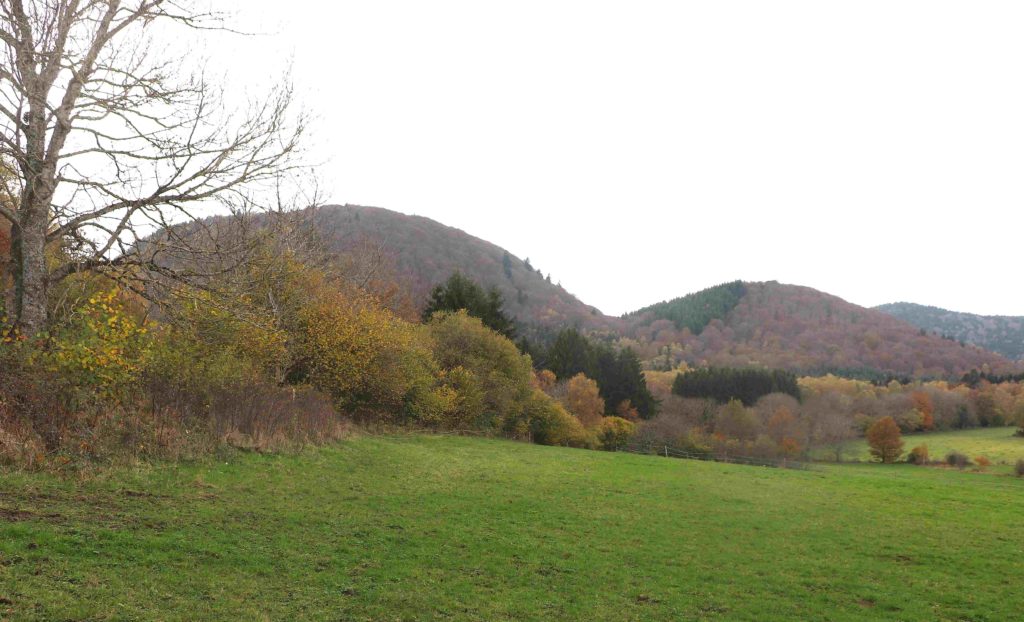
x,y
461,292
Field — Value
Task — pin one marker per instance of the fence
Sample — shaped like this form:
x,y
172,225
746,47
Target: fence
x,y
667,451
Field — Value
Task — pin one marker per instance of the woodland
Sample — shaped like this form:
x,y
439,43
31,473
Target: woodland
x,y
135,330
222,397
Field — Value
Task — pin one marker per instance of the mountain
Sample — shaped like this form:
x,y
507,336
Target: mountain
x,y
418,253
734,324
795,328
999,333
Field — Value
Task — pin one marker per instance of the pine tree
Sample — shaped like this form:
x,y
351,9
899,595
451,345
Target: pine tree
x,y
506,264
461,292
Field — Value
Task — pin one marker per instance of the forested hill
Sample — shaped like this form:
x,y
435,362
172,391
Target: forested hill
x,y
733,324
998,333
417,253
795,328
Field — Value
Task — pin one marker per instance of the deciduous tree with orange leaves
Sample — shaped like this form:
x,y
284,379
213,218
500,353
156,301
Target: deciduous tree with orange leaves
x,y
583,400
885,440
924,406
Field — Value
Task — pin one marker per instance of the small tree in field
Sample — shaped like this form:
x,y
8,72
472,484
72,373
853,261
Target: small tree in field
x,y
885,440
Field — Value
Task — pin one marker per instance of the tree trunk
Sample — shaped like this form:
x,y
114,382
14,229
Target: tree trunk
x,y
30,272
11,278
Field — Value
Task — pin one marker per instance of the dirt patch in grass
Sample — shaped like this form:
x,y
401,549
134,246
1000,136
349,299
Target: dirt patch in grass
x,y
14,515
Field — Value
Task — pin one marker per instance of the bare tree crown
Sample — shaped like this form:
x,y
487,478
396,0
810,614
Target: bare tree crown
x,y
109,139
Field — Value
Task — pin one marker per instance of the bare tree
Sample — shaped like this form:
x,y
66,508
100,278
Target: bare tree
x,y
110,140
833,430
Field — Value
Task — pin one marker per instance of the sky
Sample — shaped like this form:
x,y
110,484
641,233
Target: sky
x,y
639,151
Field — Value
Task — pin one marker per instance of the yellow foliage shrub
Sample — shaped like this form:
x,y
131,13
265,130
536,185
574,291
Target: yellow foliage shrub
x,y
615,432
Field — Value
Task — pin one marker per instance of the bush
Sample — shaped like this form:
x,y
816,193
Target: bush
x,y
615,432
982,461
374,365
697,443
918,455
97,351
665,429
957,459
1018,468
734,420
504,377
551,424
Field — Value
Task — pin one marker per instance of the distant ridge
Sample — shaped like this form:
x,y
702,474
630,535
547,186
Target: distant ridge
x,y
796,328
999,333
733,324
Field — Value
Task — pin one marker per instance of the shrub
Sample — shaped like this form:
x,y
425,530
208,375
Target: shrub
x,y
665,429
957,459
373,364
97,350
196,390
982,461
504,377
734,420
551,424
790,447
918,455
697,443
1018,468
615,432
885,440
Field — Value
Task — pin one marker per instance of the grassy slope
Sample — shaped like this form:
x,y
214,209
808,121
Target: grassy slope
x,y
1000,445
469,529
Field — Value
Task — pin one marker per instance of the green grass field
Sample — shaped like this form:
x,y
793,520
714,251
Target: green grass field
x,y
1000,445
441,528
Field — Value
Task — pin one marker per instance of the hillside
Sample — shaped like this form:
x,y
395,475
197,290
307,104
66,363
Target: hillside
x,y
796,328
419,253
442,528
998,333
770,324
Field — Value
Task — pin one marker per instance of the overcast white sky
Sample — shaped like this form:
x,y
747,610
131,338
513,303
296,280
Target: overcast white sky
x,y
639,151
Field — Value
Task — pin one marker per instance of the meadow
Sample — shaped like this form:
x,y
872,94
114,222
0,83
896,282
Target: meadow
x,y
449,528
1001,445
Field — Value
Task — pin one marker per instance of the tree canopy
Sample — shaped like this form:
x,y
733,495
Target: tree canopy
x,y
460,292
723,384
618,373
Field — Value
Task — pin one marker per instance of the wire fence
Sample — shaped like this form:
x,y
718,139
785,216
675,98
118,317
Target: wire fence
x,y
667,451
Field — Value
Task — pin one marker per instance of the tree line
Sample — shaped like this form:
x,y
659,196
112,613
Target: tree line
x,y
723,384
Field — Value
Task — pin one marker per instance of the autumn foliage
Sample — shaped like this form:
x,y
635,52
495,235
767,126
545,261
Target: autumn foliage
x,y
583,400
918,455
885,440
615,432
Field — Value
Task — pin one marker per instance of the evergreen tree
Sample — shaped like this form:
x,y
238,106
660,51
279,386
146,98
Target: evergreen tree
x,y
571,354
619,375
724,384
621,378
506,264
461,292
